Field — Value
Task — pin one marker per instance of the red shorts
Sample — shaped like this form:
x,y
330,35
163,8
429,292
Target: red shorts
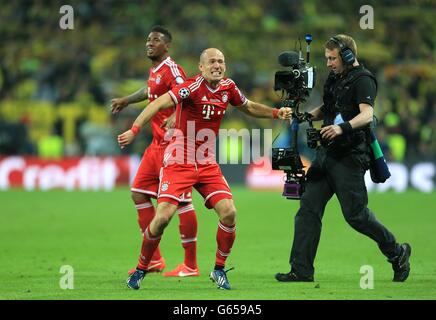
x,y
147,176
177,180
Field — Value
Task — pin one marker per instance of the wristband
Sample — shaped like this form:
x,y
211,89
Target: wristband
x,y
346,127
135,129
275,113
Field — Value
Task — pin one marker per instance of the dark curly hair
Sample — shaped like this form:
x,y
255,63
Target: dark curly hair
x,y
164,31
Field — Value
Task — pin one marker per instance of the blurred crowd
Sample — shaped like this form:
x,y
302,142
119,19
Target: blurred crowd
x,y
56,85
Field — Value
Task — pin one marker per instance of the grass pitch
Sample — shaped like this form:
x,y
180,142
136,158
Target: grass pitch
x,y
96,233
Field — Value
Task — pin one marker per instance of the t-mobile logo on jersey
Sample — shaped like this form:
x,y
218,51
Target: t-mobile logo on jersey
x,y
209,110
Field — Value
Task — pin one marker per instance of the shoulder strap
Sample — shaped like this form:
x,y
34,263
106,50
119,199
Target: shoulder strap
x,y
357,74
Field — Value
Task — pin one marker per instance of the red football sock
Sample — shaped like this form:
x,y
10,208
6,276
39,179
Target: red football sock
x,y
188,233
149,245
146,213
225,237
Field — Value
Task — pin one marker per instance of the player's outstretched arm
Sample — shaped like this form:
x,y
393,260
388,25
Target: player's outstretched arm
x,y
259,110
119,104
163,102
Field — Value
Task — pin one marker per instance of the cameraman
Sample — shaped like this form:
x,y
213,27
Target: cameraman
x,y
340,165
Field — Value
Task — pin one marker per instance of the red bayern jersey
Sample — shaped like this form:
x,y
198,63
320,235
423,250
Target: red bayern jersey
x,y
163,78
200,107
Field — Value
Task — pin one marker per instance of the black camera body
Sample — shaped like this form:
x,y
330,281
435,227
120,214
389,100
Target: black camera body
x,y
297,82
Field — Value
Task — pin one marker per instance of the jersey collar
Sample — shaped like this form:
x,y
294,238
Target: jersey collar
x,y
161,64
209,88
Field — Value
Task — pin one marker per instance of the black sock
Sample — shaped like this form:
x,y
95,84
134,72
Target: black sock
x,y
219,267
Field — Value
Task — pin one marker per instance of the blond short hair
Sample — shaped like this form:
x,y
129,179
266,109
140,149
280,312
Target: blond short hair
x,y
346,40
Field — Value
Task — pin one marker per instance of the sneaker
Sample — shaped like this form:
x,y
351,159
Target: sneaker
x,y
134,281
292,277
400,263
153,266
220,278
182,270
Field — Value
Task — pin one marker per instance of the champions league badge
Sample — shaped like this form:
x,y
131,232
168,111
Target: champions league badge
x,y
184,93
158,79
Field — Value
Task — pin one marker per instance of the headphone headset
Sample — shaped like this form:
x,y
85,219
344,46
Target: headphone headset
x,y
346,53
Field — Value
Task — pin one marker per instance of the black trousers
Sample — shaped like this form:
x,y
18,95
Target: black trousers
x,y
343,176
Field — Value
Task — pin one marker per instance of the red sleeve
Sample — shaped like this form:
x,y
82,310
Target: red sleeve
x,y
237,98
176,76
180,92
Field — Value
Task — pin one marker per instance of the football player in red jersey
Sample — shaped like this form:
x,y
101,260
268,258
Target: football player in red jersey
x,y
163,76
201,104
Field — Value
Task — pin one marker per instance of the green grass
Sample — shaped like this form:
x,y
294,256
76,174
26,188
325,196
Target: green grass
x,y
96,233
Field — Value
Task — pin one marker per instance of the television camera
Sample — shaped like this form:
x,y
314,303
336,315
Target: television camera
x,y
296,84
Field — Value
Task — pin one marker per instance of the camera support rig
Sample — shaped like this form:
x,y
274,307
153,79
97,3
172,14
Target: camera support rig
x,y
288,159
297,84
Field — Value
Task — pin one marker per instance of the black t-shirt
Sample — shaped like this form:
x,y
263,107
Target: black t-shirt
x,y
343,95
365,91
348,92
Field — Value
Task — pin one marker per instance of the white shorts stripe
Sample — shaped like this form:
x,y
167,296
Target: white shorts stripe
x,y
216,192
143,191
173,197
160,181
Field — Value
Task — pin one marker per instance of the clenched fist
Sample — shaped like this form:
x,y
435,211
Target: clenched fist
x,y
285,113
